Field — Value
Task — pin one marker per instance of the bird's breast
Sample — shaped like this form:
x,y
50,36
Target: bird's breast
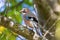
x,y
29,23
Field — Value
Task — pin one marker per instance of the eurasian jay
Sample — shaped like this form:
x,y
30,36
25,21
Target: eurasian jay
x,y
31,21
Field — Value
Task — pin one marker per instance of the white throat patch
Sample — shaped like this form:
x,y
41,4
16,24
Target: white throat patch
x,y
24,13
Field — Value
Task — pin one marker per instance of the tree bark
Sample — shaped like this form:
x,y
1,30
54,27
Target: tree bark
x,y
48,12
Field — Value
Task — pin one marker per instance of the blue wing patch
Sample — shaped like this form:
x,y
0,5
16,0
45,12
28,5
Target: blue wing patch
x,y
27,17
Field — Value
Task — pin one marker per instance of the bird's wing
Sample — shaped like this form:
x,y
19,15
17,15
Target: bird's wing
x,y
32,17
37,29
31,14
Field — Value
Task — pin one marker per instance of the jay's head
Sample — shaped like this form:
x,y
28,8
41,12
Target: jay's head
x,y
24,11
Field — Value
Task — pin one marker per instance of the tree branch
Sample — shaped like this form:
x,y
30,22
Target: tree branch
x,y
14,27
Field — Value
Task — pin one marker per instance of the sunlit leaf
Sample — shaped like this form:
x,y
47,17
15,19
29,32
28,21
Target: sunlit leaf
x,y
57,32
2,28
29,2
7,35
16,16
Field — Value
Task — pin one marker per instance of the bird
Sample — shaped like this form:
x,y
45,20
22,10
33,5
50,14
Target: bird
x,y
31,21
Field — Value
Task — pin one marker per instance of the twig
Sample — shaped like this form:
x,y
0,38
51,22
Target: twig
x,y
49,29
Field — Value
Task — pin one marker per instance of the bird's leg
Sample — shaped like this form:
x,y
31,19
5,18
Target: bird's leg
x,y
36,36
30,30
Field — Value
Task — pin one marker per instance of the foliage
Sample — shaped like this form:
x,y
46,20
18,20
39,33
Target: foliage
x,y
57,32
5,34
11,9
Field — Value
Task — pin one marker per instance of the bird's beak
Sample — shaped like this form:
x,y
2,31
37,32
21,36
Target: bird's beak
x,y
21,11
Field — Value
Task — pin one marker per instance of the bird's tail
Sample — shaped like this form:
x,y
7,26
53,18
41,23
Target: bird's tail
x,y
37,29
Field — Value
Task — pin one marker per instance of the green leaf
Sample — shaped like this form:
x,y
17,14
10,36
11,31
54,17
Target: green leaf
x,y
15,15
29,2
18,16
7,35
57,30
